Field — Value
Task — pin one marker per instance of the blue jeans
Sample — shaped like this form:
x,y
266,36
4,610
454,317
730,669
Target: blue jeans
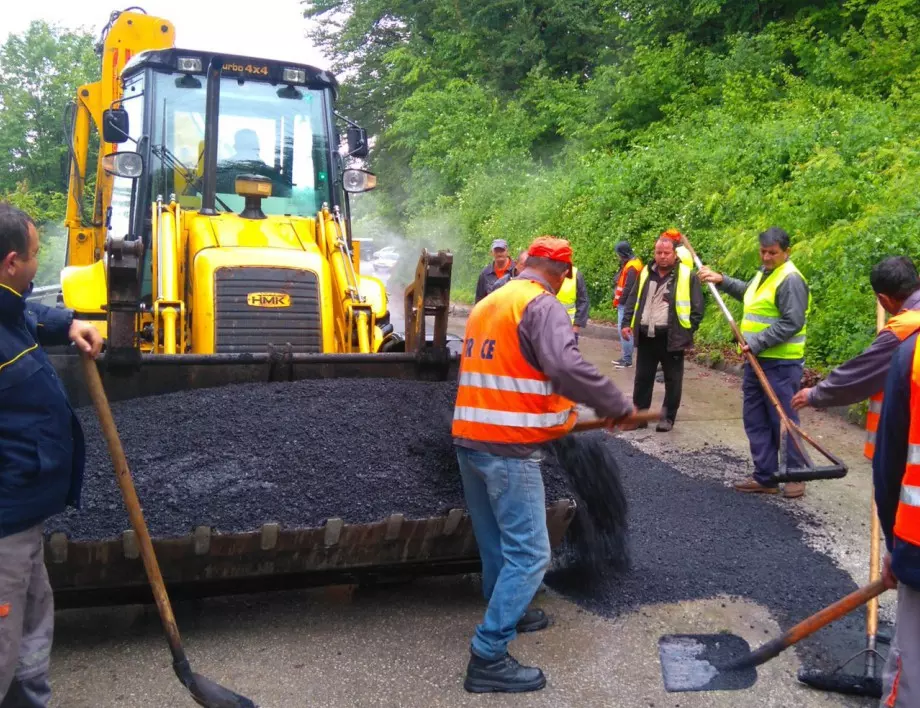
x,y
507,505
626,344
761,420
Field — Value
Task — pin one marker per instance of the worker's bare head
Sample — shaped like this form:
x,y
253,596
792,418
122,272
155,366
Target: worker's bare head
x,y
774,247
665,252
551,258
894,279
18,248
521,261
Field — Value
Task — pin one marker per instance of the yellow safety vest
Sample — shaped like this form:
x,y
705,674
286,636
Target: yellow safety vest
x,y
681,299
568,294
760,311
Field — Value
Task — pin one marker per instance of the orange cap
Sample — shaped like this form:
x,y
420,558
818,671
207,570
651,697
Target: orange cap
x,y
673,234
556,249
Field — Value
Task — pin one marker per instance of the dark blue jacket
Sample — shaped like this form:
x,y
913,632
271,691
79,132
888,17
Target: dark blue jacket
x,y
890,461
41,442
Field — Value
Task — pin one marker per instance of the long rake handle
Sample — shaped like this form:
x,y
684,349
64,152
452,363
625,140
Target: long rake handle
x,y
129,493
812,624
752,360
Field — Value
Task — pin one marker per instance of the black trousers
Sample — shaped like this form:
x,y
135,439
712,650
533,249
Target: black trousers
x,y
651,351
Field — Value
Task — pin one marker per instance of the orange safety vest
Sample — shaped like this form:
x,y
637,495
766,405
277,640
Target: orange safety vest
x,y
634,264
902,325
502,398
907,518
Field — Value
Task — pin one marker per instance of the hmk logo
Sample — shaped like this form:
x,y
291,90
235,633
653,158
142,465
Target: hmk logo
x,y
268,300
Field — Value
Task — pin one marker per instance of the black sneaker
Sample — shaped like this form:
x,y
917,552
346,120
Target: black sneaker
x,y
503,675
622,364
533,621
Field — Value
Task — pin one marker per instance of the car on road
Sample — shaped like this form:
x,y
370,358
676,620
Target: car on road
x,y
385,259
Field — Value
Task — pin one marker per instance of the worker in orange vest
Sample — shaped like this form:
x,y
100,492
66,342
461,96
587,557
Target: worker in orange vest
x,y
625,281
520,376
896,477
897,287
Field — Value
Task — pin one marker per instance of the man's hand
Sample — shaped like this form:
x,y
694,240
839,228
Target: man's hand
x,y
626,333
86,337
707,275
888,578
800,399
618,424
746,349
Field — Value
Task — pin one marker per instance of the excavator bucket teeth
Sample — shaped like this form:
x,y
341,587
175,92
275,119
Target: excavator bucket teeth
x,y
108,571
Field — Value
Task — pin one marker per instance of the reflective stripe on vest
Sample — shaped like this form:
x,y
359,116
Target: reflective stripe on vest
x,y
907,517
634,264
902,325
682,299
502,398
568,294
760,312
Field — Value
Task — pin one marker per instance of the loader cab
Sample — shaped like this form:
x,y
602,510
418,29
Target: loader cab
x,y
275,120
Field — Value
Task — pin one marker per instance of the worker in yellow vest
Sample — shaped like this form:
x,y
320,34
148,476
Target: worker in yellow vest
x,y
520,378
896,478
574,297
662,312
897,287
776,306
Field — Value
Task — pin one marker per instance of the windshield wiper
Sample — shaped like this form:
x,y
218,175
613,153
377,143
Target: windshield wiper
x,y
192,180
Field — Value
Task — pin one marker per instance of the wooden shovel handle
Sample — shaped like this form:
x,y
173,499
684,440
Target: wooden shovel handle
x,y
810,625
640,417
132,503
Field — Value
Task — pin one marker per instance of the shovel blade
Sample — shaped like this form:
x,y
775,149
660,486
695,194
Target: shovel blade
x,y
691,662
212,695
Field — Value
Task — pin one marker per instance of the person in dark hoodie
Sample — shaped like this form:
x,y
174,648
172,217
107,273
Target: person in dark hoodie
x,y
41,460
896,478
623,283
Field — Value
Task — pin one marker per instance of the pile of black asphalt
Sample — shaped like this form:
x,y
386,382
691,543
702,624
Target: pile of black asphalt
x,y
299,453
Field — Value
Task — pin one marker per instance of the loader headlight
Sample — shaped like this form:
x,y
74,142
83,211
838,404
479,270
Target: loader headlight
x,y
124,164
356,181
291,75
189,65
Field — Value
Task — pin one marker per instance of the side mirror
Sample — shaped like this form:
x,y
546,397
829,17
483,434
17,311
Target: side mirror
x,y
124,164
115,125
357,181
357,142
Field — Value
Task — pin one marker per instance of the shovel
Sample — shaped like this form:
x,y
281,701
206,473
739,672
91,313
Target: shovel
x,y
204,691
788,429
724,662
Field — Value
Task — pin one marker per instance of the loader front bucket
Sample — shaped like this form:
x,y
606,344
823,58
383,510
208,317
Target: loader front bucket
x,y
105,567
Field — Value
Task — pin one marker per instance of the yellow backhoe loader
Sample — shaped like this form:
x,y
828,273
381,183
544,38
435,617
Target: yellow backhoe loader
x,y
218,250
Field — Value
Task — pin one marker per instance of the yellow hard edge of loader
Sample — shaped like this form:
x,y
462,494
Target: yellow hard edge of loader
x,y
170,345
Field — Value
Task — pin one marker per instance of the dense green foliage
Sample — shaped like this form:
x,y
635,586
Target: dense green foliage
x,y
598,121
40,71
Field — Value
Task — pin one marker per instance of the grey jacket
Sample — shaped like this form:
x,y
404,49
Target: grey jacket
x,y
679,338
487,280
548,344
864,375
791,301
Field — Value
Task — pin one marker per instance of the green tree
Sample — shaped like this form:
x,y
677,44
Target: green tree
x,y
40,70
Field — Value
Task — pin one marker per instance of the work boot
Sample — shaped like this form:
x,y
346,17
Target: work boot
x,y
752,486
664,426
534,620
793,490
503,675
